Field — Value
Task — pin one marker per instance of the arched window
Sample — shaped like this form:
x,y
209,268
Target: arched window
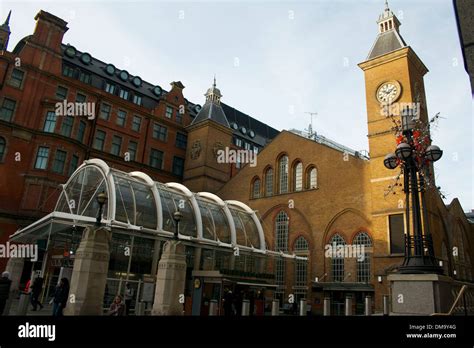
x,y
301,269
301,244
256,188
362,241
298,177
281,243
311,178
269,182
283,174
337,260
3,146
281,232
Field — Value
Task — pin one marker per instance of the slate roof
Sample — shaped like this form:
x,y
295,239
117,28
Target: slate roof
x,y
386,42
211,111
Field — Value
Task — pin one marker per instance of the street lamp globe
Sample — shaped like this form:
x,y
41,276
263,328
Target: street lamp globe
x,y
177,216
403,151
390,161
102,198
433,153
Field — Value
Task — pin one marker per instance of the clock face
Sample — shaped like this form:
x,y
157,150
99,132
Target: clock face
x,y
388,92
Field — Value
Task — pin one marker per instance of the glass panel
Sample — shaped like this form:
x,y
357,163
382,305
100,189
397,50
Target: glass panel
x,y
142,255
125,207
146,206
251,230
118,264
214,222
170,201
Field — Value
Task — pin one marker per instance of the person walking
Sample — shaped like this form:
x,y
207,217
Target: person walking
x,y
5,284
36,289
117,308
60,297
128,298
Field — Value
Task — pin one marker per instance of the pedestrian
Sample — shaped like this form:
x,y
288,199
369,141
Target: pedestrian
x,y
117,308
5,284
61,294
228,302
128,298
36,289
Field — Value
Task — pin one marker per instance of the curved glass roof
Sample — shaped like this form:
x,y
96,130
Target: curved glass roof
x,y
136,202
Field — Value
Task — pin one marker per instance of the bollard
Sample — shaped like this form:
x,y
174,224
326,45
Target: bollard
x,y
327,306
386,305
140,308
245,308
303,307
213,308
368,305
348,305
276,307
23,304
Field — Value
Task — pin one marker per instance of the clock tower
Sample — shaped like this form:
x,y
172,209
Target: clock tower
x,y
393,82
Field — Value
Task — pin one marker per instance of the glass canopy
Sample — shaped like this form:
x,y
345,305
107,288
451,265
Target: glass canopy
x,y
136,202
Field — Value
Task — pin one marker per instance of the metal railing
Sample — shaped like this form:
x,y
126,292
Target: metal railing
x,y
463,303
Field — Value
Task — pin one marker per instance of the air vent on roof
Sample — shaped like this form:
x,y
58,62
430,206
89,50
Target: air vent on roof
x,y
70,52
243,130
157,91
197,108
123,75
234,126
137,81
252,134
110,69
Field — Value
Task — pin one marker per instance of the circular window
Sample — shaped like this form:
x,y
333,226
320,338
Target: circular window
x,y
252,134
197,108
110,69
157,90
243,130
137,81
70,52
234,125
86,58
123,75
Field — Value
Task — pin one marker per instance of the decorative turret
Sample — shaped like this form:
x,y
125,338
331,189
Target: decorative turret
x,y
5,33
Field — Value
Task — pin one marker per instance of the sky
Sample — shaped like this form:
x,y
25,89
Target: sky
x,y
278,60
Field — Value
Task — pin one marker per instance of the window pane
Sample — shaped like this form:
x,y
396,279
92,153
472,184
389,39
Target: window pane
x,y
298,177
160,132
42,158
283,174
17,78
121,116
105,111
178,166
61,92
136,123
116,145
73,165
181,140
156,159
269,182
99,140
59,161
169,112
81,131
3,145
50,122
281,229
80,98
66,126
8,107
132,150
256,189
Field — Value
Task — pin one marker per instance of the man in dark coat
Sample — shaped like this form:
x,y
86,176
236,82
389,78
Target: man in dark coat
x,y
5,284
35,293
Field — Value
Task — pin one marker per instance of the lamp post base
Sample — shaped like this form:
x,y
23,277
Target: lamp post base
x,y
420,265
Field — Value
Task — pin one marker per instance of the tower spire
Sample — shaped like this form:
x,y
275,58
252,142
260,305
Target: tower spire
x,y
7,21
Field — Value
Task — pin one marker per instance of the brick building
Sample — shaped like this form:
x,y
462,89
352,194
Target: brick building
x,y
137,125
309,191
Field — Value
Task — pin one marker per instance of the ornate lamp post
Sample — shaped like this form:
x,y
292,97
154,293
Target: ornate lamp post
x,y
412,157
177,216
101,199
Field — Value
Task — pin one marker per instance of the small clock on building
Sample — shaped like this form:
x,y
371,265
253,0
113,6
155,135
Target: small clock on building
x,y
388,92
